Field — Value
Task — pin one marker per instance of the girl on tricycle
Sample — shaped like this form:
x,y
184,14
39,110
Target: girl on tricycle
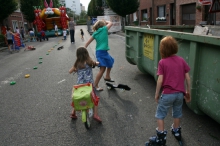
x,y
83,67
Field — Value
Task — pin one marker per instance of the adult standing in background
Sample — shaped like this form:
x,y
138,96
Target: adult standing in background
x,y
22,32
72,30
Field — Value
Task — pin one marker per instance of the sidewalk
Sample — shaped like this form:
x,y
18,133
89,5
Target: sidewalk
x,y
5,48
121,33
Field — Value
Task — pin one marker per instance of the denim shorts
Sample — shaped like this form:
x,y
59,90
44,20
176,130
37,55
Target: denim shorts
x,y
174,100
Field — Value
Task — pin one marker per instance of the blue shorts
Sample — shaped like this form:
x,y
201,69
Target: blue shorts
x,y
174,100
104,58
32,34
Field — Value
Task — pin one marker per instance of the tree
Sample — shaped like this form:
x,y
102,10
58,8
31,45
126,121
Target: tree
x,y
94,8
7,7
27,8
123,7
69,12
83,15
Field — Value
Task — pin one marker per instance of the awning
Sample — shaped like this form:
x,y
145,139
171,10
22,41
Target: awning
x,y
205,2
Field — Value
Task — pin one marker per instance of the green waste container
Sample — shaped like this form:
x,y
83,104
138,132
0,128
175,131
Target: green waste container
x,y
201,52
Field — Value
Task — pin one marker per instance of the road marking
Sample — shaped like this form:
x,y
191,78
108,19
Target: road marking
x,y
62,81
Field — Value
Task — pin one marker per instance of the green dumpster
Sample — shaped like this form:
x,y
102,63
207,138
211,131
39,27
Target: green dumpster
x,y
201,52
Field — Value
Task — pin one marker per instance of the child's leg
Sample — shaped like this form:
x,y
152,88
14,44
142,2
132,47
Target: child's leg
x,y
96,117
107,76
99,75
160,124
176,129
176,122
73,115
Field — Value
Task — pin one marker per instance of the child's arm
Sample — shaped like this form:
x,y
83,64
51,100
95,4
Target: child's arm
x,y
89,41
73,69
109,24
187,87
159,84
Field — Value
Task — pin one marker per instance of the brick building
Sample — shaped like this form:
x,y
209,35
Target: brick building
x,y
16,19
173,12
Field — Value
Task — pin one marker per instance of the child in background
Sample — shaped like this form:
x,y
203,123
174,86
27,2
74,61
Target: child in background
x,y
32,35
106,61
64,34
56,30
8,36
83,66
82,34
172,71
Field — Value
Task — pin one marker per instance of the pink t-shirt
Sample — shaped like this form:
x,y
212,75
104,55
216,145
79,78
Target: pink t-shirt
x,y
173,69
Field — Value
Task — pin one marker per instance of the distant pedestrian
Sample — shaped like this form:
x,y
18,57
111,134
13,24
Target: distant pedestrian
x,y
104,58
64,34
173,71
22,32
31,34
56,30
72,30
8,36
82,34
17,30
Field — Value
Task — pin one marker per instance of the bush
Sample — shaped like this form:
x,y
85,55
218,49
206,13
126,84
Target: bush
x,y
81,22
136,22
2,41
2,38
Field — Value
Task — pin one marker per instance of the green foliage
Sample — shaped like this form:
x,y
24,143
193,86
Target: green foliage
x,y
2,41
2,38
94,8
28,9
69,12
83,15
123,7
81,22
7,7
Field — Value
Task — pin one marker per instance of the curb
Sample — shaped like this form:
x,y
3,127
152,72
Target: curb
x,y
5,48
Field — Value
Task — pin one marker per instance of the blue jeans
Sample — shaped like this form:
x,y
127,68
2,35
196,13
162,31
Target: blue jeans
x,y
174,100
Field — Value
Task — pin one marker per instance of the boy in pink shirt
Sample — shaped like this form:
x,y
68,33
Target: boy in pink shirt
x,y
172,73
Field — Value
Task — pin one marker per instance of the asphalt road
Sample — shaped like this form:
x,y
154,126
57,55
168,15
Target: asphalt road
x,y
35,111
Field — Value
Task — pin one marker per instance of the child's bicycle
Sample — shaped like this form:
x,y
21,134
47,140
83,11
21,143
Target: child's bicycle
x,y
84,99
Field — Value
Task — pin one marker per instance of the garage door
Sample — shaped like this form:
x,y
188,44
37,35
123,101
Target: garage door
x,y
189,14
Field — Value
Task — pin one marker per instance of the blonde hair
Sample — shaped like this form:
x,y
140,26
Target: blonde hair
x,y
168,47
98,24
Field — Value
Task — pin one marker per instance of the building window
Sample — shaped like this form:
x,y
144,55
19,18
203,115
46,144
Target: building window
x,y
14,25
144,15
161,11
20,24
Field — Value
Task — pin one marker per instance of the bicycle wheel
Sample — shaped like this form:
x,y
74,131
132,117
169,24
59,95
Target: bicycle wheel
x,y
88,121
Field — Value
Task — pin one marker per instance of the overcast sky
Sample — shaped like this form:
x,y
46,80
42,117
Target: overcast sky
x,y
85,3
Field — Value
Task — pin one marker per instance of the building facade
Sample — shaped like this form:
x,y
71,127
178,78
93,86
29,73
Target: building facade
x,y
16,19
74,5
82,7
173,12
